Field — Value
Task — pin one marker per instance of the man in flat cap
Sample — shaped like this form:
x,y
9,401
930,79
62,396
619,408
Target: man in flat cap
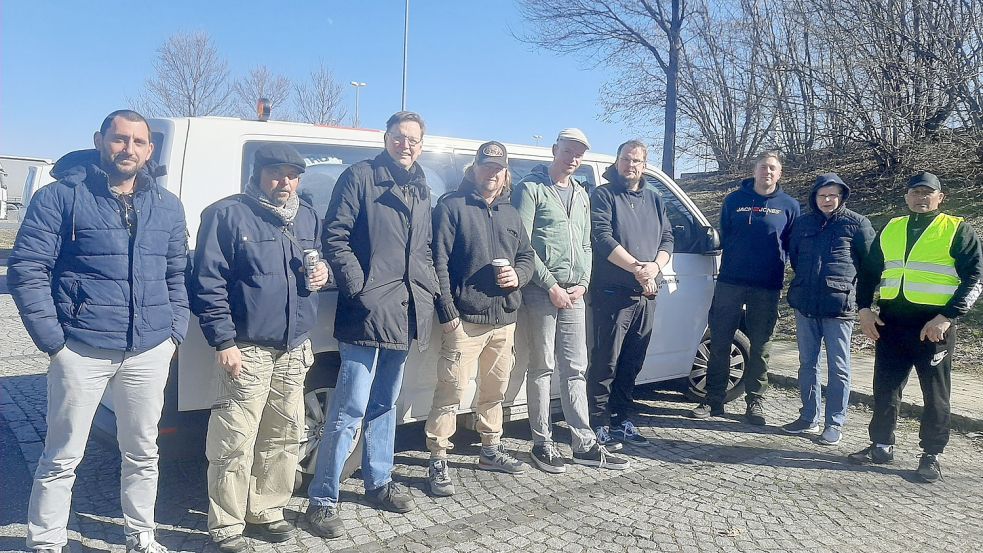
x,y
257,307
927,267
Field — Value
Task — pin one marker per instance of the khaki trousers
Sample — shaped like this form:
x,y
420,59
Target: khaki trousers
x,y
254,438
471,350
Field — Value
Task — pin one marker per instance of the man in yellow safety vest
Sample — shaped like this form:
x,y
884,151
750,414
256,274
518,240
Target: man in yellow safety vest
x,y
927,269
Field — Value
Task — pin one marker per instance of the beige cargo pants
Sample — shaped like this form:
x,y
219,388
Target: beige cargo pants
x,y
254,438
490,348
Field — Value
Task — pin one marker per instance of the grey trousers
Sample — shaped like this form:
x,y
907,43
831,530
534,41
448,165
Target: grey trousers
x,y
557,339
78,375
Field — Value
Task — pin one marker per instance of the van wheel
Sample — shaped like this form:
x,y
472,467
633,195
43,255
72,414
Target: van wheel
x,y
314,402
739,352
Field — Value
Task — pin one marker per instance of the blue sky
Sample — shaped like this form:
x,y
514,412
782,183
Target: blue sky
x,y
65,64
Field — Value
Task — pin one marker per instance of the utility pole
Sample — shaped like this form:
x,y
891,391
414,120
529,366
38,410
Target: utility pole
x,y
406,50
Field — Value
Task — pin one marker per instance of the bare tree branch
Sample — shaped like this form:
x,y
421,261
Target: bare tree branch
x,y
263,83
190,79
319,100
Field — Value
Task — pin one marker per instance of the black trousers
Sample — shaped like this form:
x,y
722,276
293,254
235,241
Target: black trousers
x,y
897,350
622,329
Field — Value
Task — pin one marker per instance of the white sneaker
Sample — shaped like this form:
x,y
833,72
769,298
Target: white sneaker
x,y
144,542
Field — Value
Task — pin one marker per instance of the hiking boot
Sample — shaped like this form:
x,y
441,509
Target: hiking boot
x,y
440,481
391,497
831,435
144,542
232,544
800,426
605,438
873,455
547,458
598,456
705,410
273,532
929,469
501,461
755,413
324,521
627,432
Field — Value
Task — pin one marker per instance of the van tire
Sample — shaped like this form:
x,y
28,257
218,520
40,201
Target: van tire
x,y
739,354
318,389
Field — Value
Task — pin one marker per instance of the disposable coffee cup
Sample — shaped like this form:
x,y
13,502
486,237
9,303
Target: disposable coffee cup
x,y
500,264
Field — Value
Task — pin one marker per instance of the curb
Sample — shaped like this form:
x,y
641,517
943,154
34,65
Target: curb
x,y
962,423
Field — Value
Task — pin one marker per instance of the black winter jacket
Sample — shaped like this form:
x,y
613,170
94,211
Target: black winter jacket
x,y
246,285
635,220
826,254
467,234
74,273
378,247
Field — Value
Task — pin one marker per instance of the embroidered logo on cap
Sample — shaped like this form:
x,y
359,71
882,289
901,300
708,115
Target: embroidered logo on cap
x,y
493,150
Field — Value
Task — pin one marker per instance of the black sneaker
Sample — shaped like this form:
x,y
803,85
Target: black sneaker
x,y
627,432
929,469
547,458
873,455
273,532
439,479
799,426
391,497
605,438
324,521
755,413
598,456
232,544
705,411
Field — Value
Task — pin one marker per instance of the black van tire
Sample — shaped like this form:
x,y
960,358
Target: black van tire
x,y
318,389
697,380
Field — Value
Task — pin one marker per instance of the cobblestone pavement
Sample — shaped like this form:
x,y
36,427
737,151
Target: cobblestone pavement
x,y
718,485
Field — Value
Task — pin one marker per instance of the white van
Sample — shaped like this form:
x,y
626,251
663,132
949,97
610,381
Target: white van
x,y
208,158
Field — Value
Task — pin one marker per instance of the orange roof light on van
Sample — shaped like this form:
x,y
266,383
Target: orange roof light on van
x,y
263,109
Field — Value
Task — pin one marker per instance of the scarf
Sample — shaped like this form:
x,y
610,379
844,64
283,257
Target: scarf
x,y
285,213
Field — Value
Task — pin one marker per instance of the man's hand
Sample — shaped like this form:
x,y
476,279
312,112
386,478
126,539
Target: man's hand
x,y
229,359
320,276
934,330
560,297
646,270
507,277
650,288
869,321
576,292
451,325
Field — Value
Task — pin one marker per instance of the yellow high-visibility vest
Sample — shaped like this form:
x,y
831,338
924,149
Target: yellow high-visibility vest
x,y
928,276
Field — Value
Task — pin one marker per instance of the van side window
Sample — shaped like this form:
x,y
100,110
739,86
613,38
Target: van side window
x,y
522,167
326,162
685,230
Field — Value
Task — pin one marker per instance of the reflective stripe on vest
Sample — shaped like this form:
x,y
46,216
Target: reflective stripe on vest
x,y
928,276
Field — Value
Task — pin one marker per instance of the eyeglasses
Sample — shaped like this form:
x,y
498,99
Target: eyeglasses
x,y
398,139
826,197
631,162
922,192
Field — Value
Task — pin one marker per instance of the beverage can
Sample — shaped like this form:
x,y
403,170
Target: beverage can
x,y
311,259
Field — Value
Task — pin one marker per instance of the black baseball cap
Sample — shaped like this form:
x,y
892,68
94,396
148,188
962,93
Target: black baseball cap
x,y
277,153
492,152
925,179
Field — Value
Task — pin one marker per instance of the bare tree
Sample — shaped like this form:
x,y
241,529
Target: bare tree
x,y
625,33
263,83
319,100
190,79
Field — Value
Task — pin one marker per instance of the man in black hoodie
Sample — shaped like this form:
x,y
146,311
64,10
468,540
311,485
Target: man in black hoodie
x,y
755,224
632,243
826,249
927,267
482,257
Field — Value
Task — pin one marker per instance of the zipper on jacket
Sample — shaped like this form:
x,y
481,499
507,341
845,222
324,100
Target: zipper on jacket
x,y
568,211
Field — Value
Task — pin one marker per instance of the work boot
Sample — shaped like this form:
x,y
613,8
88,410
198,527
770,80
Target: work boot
x,y
324,521
277,531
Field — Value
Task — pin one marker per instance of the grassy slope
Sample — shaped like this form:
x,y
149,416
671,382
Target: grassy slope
x,y
880,198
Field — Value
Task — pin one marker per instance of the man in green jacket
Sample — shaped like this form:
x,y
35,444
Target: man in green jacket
x,y
555,211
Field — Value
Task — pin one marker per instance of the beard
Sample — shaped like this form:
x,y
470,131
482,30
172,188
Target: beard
x,y
112,166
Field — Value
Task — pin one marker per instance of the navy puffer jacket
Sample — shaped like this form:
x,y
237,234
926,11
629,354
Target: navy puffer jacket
x,y
826,253
72,272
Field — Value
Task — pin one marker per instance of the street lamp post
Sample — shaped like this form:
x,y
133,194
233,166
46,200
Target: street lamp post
x,y
536,138
357,86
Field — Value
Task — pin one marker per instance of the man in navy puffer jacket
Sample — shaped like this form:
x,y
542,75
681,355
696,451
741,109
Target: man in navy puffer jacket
x,y
97,273
826,250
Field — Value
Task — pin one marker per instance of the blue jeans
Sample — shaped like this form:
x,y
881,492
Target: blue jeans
x,y
368,385
811,333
